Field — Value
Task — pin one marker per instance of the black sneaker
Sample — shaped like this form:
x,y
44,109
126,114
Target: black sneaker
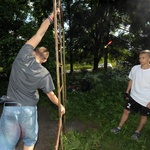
x,y
136,136
115,130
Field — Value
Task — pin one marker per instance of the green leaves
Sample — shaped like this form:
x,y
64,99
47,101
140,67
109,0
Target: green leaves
x,y
19,22
98,111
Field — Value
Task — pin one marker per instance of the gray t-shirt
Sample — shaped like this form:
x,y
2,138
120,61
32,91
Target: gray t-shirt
x,y
27,76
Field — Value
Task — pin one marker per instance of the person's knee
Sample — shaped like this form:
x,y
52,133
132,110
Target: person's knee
x,y
143,119
28,147
126,112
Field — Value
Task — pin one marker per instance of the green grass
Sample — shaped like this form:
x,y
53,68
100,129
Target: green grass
x,y
103,106
79,66
101,139
99,110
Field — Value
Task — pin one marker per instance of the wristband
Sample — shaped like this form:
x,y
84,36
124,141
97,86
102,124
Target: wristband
x,y
50,19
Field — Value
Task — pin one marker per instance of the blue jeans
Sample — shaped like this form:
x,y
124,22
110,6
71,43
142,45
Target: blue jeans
x,y
16,122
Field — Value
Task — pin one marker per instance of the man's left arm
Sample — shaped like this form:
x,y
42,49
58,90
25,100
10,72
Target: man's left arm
x,y
35,40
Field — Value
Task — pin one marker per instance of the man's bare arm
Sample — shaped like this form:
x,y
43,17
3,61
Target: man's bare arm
x,y
55,100
35,40
129,86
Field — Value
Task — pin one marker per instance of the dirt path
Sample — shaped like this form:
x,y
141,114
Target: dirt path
x,y
48,130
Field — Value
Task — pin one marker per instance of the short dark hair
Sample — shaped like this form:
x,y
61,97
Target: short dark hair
x,y
42,52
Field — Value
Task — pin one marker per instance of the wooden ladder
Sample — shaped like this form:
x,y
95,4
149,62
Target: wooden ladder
x,y
60,67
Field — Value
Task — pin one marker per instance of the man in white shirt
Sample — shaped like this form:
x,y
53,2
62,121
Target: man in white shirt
x,y
139,98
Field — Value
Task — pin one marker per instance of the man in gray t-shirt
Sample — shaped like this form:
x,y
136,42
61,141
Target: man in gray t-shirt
x,y
27,76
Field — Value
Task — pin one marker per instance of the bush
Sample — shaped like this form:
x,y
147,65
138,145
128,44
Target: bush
x,y
103,106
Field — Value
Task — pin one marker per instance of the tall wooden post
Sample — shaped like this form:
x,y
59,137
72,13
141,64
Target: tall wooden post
x,y
60,66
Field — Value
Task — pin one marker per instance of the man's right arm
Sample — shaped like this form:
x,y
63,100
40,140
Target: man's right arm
x,y
55,100
127,95
129,86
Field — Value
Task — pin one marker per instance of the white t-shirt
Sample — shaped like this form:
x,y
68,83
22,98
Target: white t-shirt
x,y
140,90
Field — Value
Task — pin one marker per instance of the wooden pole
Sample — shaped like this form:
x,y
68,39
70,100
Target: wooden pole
x,y
60,64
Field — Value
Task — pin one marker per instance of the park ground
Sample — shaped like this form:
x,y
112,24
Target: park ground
x,y
48,128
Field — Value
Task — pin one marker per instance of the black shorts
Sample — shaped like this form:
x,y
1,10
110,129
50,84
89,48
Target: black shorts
x,y
133,106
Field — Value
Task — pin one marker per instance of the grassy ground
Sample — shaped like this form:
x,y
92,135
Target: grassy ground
x,y
96,111
103,106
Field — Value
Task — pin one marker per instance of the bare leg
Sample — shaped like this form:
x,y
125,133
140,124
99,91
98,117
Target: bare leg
x,y
28,147
124,117
143,121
